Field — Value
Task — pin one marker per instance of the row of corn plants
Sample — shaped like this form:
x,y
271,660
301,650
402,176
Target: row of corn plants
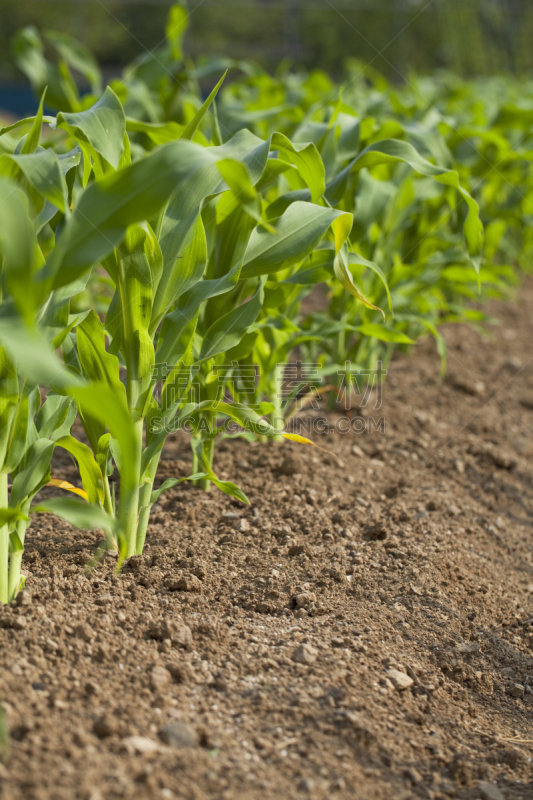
x,y
157,245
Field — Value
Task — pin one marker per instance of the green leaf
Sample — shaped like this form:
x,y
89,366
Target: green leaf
x,y
298,231
98,365
204,180
78,513
178,327
27,482
358,260
389,151
77,56
170,482
228,331
175,29
196,120
56,417
8,515
26,121
104,404
103,126
29,56
159,132
134,194
32,139
28,348
186,272
17,246
306,159
228,487
18,435
91,475
43,172
384,334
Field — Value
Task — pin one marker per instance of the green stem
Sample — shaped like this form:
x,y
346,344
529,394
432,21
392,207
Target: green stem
x,y
4,543
339,357
129,497
15,563
144,516
276,417
208,450
109,505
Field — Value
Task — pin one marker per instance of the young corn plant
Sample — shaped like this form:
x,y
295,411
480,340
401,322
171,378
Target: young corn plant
x,y
182,237
33,190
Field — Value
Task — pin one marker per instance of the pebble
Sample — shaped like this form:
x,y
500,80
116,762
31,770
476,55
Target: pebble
x,y
242,526
516,690
304,599
140,744
84,631
24,598
105,726
296,550
181,636
160,678
179,734
305,654
489,791
356,450
290,465
399,680
104,600
189,583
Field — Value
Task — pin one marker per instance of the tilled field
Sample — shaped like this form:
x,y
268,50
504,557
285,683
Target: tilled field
x,y
361,630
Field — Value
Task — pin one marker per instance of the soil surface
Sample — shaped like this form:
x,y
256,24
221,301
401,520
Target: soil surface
x,y
363,629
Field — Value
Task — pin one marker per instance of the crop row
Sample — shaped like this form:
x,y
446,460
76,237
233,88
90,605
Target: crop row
x,y
158,249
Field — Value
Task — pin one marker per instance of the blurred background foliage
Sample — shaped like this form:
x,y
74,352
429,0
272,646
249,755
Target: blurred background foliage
x,y
470,37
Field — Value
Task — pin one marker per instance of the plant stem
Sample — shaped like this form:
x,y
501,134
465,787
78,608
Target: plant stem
x,y
144,516
129,497
15,563
4,543
109,505
208,449
276,417
339,357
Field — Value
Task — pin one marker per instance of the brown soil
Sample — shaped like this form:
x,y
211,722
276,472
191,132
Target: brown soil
x,y
245,656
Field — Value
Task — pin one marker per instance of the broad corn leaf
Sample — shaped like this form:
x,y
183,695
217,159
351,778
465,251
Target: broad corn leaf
x,y
298,231
103,127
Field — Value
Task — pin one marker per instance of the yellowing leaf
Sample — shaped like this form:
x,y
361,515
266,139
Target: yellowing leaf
x,y
66,485
294,437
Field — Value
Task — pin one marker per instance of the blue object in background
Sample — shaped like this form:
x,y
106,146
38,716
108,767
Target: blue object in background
x,y
18,99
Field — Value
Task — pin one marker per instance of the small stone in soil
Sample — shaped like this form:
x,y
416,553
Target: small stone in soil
x,y
399,680
140,744
179,734
296,550
160,678
516,690
24,598
290,465
304,599
189,583
105,726
84,631
305,654
489,791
